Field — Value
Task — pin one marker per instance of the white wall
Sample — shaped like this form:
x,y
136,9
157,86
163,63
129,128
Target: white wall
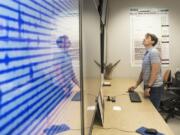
x,y
118,33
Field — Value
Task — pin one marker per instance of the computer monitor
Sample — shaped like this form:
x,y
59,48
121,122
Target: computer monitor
x,y
96,2
103,10
91,78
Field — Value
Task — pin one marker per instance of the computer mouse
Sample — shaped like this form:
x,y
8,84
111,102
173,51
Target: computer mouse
x,y
151,131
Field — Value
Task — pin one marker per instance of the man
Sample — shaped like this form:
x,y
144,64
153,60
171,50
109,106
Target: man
x,y
151,71
66,67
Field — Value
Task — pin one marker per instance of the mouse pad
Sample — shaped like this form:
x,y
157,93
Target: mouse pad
x,y
141,131
77,97
55,129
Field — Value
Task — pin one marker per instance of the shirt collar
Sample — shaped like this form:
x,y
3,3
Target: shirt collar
x,y
149,49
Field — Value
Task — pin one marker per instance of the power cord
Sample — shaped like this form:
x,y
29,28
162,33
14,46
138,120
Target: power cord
x,y
107,96
127,131
118,95
76,129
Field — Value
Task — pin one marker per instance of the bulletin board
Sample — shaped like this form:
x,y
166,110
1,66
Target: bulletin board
x,y
144,21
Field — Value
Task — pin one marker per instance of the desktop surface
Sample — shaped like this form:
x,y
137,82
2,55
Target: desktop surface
x,y
132,115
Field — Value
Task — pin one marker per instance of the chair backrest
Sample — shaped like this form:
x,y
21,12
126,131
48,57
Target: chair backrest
x,y
177,78
167,76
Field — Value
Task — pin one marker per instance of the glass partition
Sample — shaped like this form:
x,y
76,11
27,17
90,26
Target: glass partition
x,y
39,67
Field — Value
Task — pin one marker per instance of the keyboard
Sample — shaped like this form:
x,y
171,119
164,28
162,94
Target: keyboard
x,y
134,97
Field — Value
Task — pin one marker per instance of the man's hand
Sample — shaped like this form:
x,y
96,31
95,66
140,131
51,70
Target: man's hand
x,y
132,88
147,92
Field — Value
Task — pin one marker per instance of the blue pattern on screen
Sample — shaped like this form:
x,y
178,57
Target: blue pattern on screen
x,y
35,72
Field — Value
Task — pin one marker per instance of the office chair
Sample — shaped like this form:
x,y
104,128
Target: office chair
x,y
170,102
167,78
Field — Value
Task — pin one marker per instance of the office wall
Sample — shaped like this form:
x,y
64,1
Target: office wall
x,y
118,33
39,61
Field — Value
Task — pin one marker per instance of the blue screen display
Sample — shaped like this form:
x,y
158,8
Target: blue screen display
x,y
39,64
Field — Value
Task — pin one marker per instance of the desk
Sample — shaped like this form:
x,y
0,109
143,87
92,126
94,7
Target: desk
x,y
133,115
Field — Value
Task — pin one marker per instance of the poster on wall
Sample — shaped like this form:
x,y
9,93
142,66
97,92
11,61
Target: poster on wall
x,y
144,21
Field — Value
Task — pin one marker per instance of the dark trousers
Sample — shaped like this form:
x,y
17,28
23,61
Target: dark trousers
x,y
155,96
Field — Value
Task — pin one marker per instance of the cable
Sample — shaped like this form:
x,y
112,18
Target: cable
x,y
118,95
79,128
127,131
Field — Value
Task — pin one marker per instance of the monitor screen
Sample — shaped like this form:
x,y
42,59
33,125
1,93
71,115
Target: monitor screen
x,y
90,55
104,11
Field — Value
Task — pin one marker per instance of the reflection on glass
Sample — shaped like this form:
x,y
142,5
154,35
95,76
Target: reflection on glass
x,y
39,67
